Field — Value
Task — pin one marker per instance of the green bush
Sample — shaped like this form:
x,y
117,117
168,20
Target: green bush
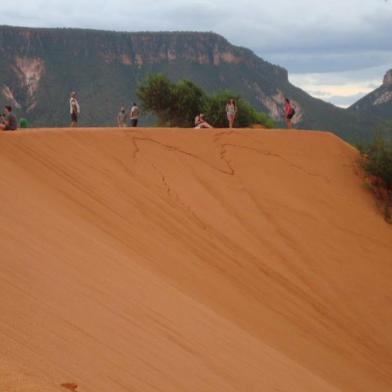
x,y
188,100
377,162
173,104
156,95
178,104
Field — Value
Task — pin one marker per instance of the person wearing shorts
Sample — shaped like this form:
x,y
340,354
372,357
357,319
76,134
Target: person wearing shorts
x,y
74,110
134,115
10,122
288,113
122,118
231,111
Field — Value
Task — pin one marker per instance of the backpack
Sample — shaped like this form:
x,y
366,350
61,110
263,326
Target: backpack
x,y
135,112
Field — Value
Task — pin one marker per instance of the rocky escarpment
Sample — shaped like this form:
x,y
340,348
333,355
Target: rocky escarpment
x,y
376,107
22,87
378,97
143,49
29,72
388,79
384,96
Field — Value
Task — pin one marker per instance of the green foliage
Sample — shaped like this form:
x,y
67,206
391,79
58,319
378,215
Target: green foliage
x,y
188,100
377,162
156,95
178,104
173,104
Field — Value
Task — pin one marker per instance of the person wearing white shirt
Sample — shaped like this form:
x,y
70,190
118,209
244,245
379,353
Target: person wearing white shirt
x,y
134,115
74,108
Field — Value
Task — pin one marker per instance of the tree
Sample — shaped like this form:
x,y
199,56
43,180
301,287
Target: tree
x,y
156,95
173,104
188,100
178,104
377,162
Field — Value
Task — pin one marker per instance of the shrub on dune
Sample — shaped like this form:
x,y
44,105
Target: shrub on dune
x,y
377,162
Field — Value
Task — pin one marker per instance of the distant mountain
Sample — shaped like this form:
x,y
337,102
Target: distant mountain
x,y
39,68
375,108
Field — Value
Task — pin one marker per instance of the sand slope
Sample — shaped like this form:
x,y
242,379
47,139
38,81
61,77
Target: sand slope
x,y
181,260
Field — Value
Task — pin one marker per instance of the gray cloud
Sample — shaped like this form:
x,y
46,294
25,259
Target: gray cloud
x,y
345,101
332,60
305,36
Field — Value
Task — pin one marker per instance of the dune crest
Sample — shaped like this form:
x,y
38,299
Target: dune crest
x,y
182,260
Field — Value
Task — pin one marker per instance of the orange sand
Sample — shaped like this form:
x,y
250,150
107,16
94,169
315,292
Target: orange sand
x,y
182,260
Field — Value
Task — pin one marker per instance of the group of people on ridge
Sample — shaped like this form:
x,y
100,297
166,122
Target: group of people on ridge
x,y
122,117
231,113
132,114
8,120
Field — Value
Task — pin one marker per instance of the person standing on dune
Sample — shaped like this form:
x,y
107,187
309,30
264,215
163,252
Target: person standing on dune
x,y
288,113
231,111
122,118
134,115
74,110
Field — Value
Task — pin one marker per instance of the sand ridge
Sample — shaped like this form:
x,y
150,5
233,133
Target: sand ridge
x,y
182,260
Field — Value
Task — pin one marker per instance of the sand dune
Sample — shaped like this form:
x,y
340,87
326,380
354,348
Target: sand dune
x,y
181,260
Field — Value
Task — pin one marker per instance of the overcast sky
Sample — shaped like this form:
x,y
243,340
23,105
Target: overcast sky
x,y
337,50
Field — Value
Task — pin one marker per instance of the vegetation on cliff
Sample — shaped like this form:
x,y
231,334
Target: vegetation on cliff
x,y
377,163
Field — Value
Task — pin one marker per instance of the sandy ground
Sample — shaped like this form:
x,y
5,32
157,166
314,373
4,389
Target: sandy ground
x,y
182,260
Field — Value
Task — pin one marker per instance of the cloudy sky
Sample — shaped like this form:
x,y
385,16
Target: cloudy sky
x,y
337,50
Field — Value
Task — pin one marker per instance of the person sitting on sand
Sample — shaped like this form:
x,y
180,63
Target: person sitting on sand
x,y
288,113
231,111
10,122
200,122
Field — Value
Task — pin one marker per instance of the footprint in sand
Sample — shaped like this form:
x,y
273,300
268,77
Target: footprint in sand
x,y
70,386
